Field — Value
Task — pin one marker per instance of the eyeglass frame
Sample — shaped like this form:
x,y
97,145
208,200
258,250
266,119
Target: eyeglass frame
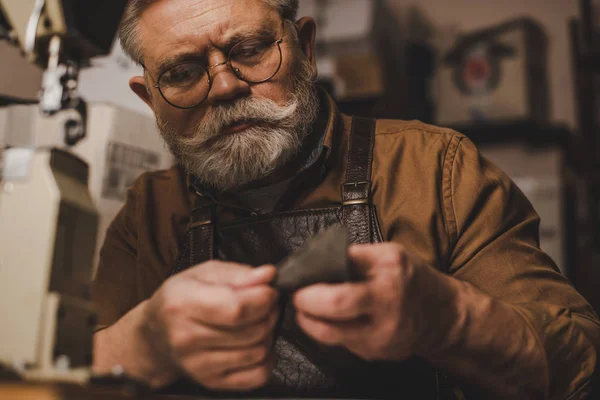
x,y
210,68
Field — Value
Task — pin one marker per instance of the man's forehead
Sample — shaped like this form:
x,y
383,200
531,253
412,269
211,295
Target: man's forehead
x,y
197,24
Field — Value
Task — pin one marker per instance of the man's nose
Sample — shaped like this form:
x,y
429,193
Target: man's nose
x,y
226,86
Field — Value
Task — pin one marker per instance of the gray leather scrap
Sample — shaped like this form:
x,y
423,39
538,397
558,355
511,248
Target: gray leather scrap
x,y
324,259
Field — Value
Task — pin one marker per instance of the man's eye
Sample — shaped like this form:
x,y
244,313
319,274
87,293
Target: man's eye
x,y
249,50
182,75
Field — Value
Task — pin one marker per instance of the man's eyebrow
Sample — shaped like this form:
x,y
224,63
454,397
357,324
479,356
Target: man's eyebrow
x,y
262,31
166,62
169,61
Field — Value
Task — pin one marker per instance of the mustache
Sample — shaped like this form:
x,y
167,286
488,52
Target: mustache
x,y
257,111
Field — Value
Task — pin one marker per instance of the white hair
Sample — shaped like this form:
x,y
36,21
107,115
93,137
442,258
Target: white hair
x,y
227,162
129,35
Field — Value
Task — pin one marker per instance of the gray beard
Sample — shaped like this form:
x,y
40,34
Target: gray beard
x,y
230,161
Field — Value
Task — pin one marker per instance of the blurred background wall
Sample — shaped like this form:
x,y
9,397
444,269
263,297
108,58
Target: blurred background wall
x,y
454,16
107,80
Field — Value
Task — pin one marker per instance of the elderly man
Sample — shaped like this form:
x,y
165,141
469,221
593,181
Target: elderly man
x,y
455,295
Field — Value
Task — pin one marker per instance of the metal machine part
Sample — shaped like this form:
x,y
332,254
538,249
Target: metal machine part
x,y
47,231
61,36
48,222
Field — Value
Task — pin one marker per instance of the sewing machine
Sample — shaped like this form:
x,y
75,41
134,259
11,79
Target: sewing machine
x,y
48,222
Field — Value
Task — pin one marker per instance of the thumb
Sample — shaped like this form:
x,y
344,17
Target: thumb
x,y
232,274
360,259
368,258
365,258
258,276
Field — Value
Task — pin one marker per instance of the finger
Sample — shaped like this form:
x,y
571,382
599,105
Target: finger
x,y
334,333
222,306
255,304
335,302
219,363
244,380
197,337
232,274
366,257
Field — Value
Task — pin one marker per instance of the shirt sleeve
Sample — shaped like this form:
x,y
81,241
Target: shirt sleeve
x,y
115,285
494,235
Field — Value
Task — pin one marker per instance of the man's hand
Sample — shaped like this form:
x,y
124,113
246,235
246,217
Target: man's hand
x,y
388,316
213,323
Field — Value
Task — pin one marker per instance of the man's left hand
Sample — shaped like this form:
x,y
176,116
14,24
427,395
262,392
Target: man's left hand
x,y
400,309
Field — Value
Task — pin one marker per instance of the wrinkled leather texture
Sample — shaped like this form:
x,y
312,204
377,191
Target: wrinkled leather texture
x,y
360,227
270,239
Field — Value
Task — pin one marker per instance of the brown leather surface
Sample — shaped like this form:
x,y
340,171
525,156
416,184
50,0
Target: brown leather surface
x,y
360,156
358,180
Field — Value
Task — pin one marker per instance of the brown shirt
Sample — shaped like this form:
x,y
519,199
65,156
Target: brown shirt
x,y
433,193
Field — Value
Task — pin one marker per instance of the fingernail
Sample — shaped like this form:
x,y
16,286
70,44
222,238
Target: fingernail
x,y
264,273
263,270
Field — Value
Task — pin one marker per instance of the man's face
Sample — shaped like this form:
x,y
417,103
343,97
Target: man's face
x,y
241,132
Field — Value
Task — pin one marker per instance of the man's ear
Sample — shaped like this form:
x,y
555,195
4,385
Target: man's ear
x,y
138,85
307,32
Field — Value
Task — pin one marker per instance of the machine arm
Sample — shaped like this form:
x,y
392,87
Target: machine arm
x,y
61,36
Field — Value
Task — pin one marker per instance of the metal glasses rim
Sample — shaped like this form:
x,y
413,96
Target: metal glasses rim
x,y
210,79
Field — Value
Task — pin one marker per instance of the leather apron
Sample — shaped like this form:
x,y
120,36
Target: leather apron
x,y
306,368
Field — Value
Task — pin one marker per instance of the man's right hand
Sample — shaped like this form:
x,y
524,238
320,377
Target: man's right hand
x,y
213,323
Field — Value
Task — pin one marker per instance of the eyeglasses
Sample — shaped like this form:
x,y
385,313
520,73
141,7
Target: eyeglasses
x,y
186,85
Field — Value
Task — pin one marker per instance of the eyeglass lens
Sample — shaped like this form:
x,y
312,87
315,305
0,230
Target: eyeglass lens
x,y
187,85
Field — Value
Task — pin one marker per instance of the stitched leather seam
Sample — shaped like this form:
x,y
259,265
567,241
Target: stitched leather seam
x,y
192,238
371,151
226,228
348,162
336,210
376,224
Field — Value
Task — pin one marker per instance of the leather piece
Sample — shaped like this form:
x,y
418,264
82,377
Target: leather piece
x,y
324,259
297,373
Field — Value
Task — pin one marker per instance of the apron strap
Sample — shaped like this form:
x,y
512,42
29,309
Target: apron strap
x,y
356,191
199,244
